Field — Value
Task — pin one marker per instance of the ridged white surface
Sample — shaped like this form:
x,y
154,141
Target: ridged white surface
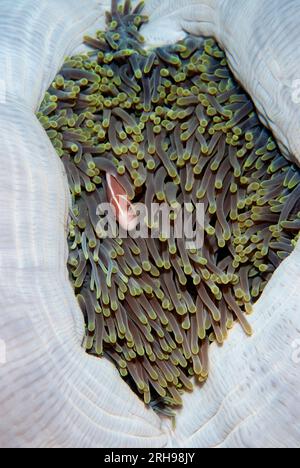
x,y
51,393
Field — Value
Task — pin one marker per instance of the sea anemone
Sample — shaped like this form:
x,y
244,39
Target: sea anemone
x,y
168,125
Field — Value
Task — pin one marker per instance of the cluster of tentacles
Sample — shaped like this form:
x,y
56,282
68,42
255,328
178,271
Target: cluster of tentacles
x,y
172,126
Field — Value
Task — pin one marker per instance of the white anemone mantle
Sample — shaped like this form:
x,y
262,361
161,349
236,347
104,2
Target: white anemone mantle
x,y
51,393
